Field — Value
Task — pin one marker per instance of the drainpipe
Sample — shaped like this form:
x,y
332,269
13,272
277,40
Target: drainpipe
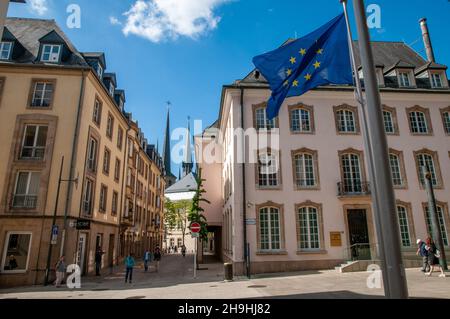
x,y
244,196
427,40
124,176
73,158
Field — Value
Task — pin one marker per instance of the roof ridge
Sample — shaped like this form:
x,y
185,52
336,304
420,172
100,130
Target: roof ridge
x,y
30,19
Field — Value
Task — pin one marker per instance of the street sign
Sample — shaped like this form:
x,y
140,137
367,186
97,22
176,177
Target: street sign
x,y
195,235
250,221
195,227
54,234
83,224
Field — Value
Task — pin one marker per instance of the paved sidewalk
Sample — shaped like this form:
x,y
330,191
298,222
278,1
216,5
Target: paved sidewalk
x,y
175,281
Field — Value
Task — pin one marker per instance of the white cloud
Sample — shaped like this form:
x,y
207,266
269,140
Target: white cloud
x,y
39,7
158,20
114,21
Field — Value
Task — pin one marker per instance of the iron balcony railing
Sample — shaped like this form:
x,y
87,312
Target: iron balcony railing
x,y
24,201
358,188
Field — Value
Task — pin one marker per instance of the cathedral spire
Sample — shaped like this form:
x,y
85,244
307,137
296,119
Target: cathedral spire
x,y
166,151
187,163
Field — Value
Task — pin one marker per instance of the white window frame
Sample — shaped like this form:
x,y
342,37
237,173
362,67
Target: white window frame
x,y
265,170
388,122
424,158
396,171
269,228
34,148
103,198
301,118
100,70
111,88
268,125
404,82
346,120
301,162
9,50
446,119
109,126
403,224
97,111
91,197
92,155
27,194
308,234
5,251
347,160
53,56
418,121
42,98
106,161
441,219
434,83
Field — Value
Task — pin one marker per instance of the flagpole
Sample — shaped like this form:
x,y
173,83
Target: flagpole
x,y
360,99
395,274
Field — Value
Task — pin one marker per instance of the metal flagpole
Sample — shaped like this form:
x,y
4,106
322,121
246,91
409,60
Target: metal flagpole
x,y
395,272
360,99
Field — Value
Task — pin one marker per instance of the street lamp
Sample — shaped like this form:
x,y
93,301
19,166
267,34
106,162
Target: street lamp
x,y
53,228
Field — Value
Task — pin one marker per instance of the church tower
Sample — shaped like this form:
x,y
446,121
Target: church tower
x,y
169,177
187,163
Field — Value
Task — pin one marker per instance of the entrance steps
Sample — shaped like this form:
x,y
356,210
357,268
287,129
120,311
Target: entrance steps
x,y
363,265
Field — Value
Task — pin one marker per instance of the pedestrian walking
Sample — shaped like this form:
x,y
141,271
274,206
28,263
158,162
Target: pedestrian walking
x,y
61,269
129,265
147,259
157,257
433,257
423,252
98,260
183,250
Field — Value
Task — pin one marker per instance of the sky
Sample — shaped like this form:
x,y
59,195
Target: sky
x,y
184,51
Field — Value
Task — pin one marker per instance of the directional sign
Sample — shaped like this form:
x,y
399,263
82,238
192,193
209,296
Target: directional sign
x,y
195,227
195,235
54,234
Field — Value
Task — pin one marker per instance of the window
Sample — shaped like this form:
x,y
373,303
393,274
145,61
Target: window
x,y
388,122
346,121
106,161
103,198
99,70
97,112
120,138
42,94
92,154
269,228
446,119
427,160
26,190
111,89
305,170
5,50
418,122
50,53
87,198
396,171
268,170
403,78
308,228
110,126
262,123
436,81
16,252
352,174
440,215
115,200
301,121
117,170
402,213
34,142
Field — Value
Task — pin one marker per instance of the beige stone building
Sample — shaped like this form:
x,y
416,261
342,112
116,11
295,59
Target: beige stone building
x,y
307,203
55,103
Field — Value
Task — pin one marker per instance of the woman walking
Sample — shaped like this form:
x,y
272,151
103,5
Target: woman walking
x,y
433,257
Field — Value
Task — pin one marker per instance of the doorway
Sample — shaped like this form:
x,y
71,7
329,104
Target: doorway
x,y
111,250
81,253
358,234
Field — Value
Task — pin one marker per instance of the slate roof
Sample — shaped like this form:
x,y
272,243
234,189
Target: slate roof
x,y
29,31
186,184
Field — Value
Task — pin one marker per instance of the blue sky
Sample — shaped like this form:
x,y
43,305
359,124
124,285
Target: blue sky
x,y
193,47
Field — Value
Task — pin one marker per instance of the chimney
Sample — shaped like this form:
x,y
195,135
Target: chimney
x,y
427,40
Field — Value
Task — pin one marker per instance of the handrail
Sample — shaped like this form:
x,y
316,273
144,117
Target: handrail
x,y
353,252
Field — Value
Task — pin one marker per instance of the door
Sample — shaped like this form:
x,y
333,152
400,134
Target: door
x,y
359,234
111,250
81,253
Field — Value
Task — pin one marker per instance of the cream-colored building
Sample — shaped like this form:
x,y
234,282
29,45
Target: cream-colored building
x,y
57,103
312,209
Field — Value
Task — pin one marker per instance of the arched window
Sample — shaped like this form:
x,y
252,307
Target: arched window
x,y
352,173
346,121
308,228
397,178
269,228
305,169
268,169
441,219
403,221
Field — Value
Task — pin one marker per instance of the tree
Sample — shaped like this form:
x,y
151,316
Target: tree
x,y
196,212
176,215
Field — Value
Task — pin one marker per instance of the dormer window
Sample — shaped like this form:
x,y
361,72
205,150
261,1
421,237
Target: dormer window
x,y
436,81
99,70
51,53
5,50
111,89
403,79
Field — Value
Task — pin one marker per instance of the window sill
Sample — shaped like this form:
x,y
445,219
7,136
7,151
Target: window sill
x,y
271,252
422,134
312,252
270,188
302,188
302,133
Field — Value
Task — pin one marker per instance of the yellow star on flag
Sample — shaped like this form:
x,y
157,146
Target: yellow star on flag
x,y
320,51
308,77
317,64
302,52
295,83
286,83
293,60
288,72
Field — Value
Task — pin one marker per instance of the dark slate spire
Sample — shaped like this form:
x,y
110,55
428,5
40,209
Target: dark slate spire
x,y
187,163
170,178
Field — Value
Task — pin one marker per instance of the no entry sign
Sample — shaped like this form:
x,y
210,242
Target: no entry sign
x,y
195,227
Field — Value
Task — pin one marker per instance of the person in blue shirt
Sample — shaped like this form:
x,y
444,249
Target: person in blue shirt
x,y
423,252
147,259
129,264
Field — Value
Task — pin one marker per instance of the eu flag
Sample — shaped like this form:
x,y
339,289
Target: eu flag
x,y
320,58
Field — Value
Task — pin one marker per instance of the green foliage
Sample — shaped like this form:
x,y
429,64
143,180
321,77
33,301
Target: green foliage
x,y
196,212
176,215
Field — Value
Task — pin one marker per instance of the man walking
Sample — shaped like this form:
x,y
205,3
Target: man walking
x,y
98,260
129,265
423,252
147,259
60,271
157,257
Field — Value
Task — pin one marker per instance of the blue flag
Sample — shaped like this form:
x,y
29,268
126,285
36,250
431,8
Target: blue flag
x,y
320,58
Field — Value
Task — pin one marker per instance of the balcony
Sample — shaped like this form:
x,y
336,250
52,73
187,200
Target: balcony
x,y
354,188
24,201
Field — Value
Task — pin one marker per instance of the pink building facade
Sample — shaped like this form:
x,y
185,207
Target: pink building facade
x,y
312,210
